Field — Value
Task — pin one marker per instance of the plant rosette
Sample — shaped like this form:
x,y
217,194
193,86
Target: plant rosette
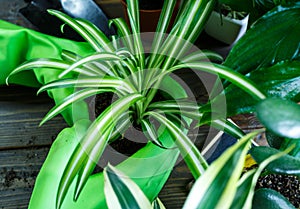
x,y
226,29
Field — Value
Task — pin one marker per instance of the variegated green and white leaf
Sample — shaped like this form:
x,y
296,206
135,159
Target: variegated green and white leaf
x,y
226,73
101,56
46,63
77,27
188,150
121,192
113,84
246,185
124,32
96,67
75,97
97,34
216,187
95,134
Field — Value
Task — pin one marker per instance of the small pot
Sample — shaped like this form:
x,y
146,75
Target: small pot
x,y
149,18
226,30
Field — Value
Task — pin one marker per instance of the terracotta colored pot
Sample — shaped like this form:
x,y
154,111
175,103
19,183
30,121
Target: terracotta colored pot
x,y
149,18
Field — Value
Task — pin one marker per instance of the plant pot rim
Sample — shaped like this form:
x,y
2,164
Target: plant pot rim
x,y
237,21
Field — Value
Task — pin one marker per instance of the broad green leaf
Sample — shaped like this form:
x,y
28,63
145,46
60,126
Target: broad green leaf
x,y
274,140
94,134
270,199
121,192
188,150
217,186
280,116
281,80
285,165
291,142
280,40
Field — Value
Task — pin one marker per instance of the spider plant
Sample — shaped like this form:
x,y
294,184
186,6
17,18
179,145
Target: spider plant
x,y
120,64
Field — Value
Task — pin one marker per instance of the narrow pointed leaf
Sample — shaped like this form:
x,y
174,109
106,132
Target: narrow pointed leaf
x,y
97,34
98,68
113,84
121,192
216,187
124,32
41,63
77,96
280,116
246,188
188,150
95,132
91,163
202,56
226,73
101,56
77,27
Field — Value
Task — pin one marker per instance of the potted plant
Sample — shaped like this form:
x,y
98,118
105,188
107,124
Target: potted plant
x,y
124,72
135,76
226,25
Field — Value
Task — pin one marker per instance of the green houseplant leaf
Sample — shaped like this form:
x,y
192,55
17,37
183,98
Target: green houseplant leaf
x,y
121,192
284,165
280,80
270,199
280,116
255,50
216,188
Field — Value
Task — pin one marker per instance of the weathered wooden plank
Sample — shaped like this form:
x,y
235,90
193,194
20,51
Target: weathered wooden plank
x,y
18,171
20,114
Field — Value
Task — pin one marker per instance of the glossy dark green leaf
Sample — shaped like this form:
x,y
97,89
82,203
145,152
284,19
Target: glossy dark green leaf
x,y
281,80
292,142
274,140
287,164
280,116
274,37
270,199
